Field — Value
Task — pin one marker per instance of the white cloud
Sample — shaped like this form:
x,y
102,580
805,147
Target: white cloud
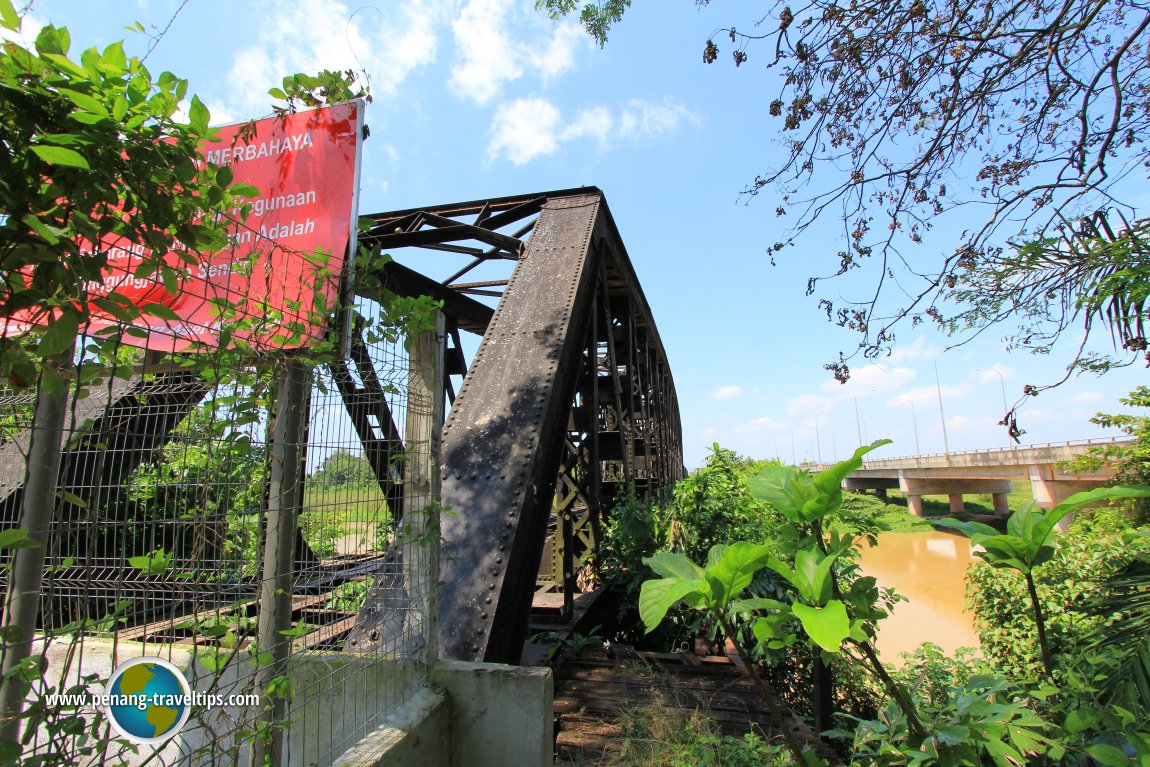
x,y
527,128
1085,397
928,395
559,54
646,118
487,57
918,350
876,378
309,35
961,423
765,424
595,122
726,392
810,405
992,373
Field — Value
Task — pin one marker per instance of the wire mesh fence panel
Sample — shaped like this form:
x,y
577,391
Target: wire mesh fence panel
x,y
267,530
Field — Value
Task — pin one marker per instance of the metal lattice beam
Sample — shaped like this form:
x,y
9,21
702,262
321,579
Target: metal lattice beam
x,y
567,403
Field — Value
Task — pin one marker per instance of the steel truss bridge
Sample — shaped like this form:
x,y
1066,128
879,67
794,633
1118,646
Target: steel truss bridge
x,y
567,404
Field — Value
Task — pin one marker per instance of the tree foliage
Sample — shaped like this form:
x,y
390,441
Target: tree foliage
x,y
94,149
343,468
1031,116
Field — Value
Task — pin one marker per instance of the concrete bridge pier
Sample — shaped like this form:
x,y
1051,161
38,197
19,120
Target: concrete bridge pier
x,y
878,484
1051,488
954,489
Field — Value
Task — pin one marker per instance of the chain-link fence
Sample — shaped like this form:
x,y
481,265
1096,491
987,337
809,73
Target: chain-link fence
x,y
270,529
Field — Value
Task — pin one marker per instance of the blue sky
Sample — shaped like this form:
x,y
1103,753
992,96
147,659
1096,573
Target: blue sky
x,y
486,98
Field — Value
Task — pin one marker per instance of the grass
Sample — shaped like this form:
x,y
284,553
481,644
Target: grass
x,y
893,515
980,503
655,736
357,511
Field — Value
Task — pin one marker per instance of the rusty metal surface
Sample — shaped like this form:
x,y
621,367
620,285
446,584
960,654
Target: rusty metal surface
x,y
127,419
504,437
568,403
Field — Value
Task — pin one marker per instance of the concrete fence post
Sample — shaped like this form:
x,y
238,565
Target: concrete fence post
x,y
287,455
424,424
38,507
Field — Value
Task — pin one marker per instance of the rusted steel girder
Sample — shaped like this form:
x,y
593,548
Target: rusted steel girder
x,y
569,388
509,434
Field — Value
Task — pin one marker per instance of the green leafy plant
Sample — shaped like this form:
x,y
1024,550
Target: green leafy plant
x,y
978,718
1029,542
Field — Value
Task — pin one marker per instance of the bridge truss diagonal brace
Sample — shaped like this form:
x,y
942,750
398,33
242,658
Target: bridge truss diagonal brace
x,y
504,438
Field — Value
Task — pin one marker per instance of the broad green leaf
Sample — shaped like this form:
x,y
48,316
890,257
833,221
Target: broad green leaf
x,y
1109,755
672,564
1055,515
827,626
52,39
161,311
297,631
212,659
113,58
117,310
656,597
50,234
735,569
58,155
969,529
86,102
830,482
73,499
1080,720
16,538
788,489
9,19
198,115
60,335
756,603
154,563
171,279
715,554
66,64
812,574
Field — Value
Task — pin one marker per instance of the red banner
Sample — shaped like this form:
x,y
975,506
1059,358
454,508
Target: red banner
x,y
276,286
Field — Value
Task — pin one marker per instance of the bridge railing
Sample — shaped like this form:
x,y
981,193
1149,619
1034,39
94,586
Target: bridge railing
x,y
1083,443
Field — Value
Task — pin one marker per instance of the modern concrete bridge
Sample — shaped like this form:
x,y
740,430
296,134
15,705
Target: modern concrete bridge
x,y
990,471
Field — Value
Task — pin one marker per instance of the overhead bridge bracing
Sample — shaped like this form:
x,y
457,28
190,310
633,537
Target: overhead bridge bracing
x,y
569,402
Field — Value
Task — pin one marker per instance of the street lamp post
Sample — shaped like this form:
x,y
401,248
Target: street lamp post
x,y
1002,384
941,414
858,421
914,420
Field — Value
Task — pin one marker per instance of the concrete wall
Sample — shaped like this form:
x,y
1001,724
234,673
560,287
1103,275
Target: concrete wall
x,y
419,734
476,715
501,715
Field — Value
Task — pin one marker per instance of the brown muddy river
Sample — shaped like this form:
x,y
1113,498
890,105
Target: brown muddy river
x,y
928,568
